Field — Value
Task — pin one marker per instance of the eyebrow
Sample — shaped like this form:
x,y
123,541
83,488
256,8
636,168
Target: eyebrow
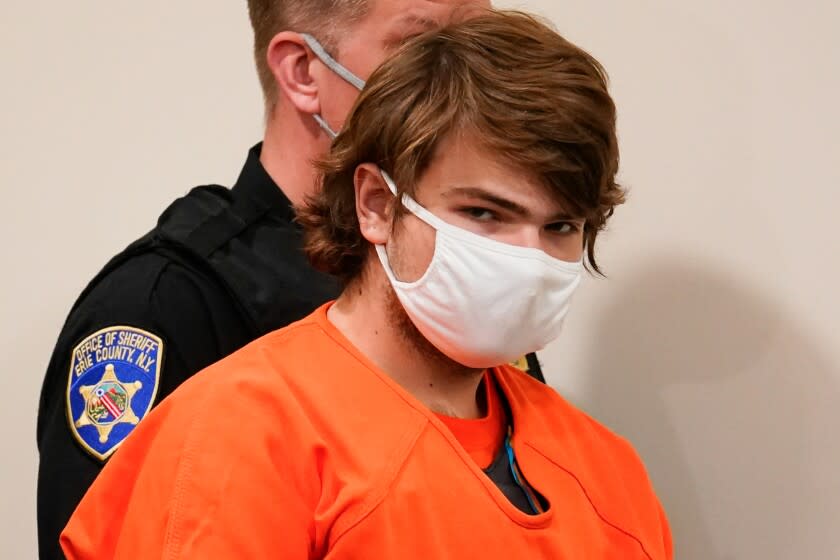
x,y
509,205
486,196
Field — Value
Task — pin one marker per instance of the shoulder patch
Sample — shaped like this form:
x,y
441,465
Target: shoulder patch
x,y
113,381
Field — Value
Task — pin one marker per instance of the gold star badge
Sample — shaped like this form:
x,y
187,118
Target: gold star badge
x,y
107,404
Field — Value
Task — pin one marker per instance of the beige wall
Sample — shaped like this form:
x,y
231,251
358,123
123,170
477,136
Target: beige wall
x,y
712,346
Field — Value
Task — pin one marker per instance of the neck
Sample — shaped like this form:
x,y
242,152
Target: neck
x,y
292,142
365,317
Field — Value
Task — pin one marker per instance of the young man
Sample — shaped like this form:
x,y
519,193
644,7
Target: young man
x,y
474,172
223,266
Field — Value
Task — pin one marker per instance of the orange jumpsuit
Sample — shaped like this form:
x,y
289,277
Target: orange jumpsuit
x,y
298,447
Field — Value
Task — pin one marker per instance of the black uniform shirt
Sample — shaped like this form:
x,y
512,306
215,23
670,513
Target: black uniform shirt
x,y
222,268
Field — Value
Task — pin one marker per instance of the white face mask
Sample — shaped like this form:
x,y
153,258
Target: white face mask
x,y
336,67
481,302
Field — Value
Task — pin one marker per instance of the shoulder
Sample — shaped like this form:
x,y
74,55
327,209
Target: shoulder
x,y
605,464
298,364
190,211
264,370
200,202
141,288
135,275
256,389
149,322
550,413
229,435
310,384
152,290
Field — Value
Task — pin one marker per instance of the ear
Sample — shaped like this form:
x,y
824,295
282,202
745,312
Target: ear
x,y
291,63
374,204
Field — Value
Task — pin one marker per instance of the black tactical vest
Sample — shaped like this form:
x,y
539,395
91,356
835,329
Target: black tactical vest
x,y
255,254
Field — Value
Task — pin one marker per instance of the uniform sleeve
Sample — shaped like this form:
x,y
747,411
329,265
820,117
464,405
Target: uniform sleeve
x,y
147,295
201,478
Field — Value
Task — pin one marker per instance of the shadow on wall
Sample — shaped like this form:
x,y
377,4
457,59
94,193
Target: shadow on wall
x,y
732,408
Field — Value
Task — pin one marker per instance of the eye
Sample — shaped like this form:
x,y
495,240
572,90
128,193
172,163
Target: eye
x,y
479,214
564,228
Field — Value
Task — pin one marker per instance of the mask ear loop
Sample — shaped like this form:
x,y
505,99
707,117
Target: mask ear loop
x,y
381,252
336,67
413,206
332,63
325,126
388,181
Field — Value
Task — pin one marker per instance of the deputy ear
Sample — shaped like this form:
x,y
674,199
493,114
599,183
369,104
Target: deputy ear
x,y
374,204
290,62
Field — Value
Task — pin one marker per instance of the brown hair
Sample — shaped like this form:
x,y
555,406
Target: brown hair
x,y
318,17
506,79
